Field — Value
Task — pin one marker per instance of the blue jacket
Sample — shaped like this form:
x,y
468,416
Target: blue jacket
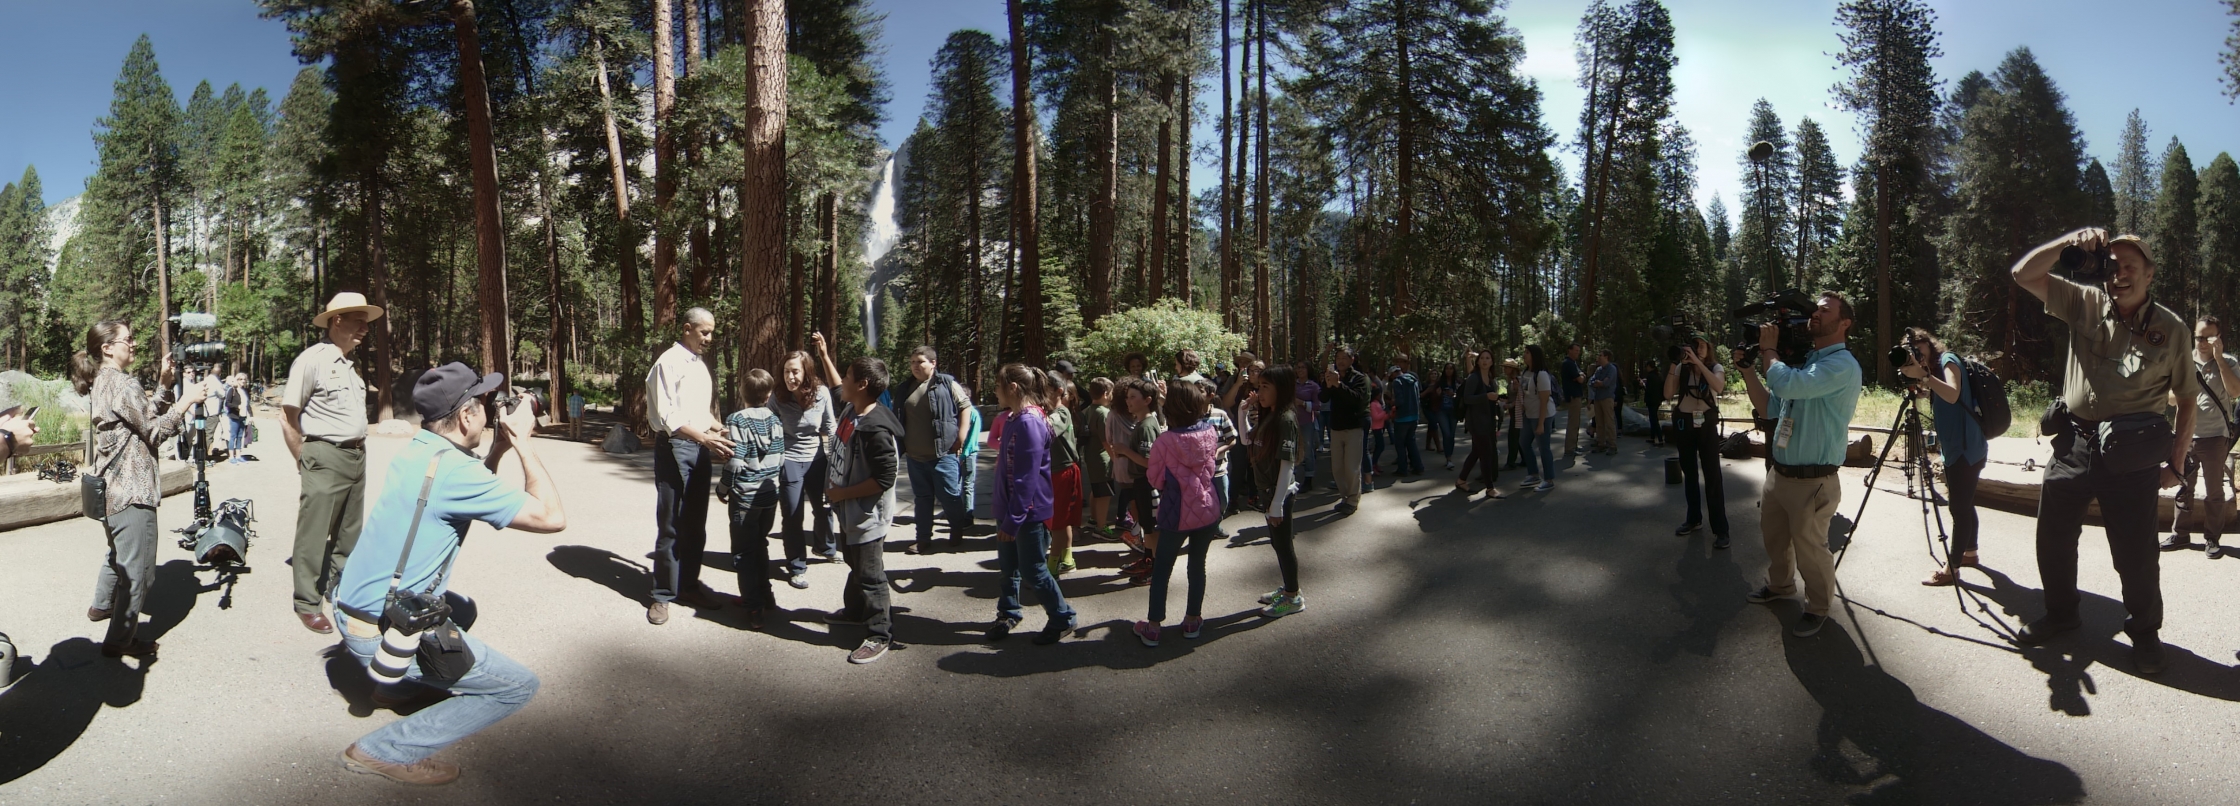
x,y
1406,395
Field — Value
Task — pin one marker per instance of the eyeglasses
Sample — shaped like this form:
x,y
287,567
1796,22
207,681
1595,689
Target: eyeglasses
x,y
2204,338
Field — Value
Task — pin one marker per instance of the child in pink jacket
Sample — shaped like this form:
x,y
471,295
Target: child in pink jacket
x,y
1181,469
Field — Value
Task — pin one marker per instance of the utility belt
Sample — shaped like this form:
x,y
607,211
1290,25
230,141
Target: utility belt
x,y
2127,443
354,443
1804,471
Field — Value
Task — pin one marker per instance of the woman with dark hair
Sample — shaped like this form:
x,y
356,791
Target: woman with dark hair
x,y
1480,403
1135,366
1535,385
805,408
1694,384
1960,442
1439,402
127,430
1277,450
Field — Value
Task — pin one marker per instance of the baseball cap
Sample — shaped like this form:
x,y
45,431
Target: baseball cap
x,y
443,390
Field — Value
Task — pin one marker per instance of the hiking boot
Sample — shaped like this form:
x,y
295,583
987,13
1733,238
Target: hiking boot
x,y
96,614
1002,628
425,772
2147,657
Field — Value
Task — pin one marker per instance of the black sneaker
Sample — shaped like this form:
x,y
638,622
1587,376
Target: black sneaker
x,y
2147,657
1054,632
1687,528
2216,550
2043,630
1765,594
1808,625
1719,543
842,619
1002,628
1343,509
2176,541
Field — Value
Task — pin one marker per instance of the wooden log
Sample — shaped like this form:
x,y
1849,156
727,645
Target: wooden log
x,y
27,501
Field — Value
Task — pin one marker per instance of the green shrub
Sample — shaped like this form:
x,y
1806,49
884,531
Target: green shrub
x,y
1157,331
57,425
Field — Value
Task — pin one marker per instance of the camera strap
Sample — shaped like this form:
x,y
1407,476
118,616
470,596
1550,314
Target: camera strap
x,y
413,532
2231,429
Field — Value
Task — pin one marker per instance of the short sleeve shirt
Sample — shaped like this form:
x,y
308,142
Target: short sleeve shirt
x,y
464,492
325,386
2209,420
2119,367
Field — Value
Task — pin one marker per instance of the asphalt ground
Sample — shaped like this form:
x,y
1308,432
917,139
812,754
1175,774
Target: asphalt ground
x,y
1555,647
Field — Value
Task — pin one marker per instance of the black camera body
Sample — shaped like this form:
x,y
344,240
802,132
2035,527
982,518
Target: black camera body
x,y
1791,310
1678,334
2091,267
414,612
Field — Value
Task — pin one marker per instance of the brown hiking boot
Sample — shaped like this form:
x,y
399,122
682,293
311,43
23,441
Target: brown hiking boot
x,y
657,613
425,772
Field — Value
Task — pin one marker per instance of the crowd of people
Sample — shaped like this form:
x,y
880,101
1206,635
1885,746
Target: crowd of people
x,y
1150,459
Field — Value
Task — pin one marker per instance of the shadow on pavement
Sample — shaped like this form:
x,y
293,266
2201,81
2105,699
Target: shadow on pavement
x,y
1709,594
44,713
632,580
2067,659
1117,648
1874,734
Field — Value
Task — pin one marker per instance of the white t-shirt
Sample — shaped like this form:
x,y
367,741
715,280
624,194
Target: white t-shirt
x,y
1529,387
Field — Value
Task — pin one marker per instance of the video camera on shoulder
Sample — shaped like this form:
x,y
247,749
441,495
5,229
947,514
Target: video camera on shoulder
x,y
1791,310
1679,336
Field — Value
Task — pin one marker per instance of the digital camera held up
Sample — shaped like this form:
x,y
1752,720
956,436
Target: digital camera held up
x,y
2088,267
1678,334
1791,310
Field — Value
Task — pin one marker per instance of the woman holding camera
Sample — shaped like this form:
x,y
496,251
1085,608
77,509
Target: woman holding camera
x,y
1960,440
126,431
1694,388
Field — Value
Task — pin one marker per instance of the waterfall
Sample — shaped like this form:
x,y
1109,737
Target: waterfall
x,y
877,240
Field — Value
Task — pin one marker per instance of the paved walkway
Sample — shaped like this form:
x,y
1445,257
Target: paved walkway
x,y
1557,647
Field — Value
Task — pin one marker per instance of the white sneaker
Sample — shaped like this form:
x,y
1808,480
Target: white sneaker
x,y
1545,486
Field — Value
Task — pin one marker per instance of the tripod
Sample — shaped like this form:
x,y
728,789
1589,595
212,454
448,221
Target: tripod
x,y
1921,479
219,539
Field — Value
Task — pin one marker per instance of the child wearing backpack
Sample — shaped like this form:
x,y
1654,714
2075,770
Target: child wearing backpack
x,y
750,486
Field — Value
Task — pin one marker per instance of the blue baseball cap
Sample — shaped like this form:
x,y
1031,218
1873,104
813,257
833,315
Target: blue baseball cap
x,y
443,390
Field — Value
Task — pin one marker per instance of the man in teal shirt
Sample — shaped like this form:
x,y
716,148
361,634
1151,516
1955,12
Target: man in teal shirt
x,y
1813,404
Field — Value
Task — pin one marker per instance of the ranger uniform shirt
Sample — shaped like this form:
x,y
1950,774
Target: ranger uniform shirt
x,y
325,386
2119,367
2210,420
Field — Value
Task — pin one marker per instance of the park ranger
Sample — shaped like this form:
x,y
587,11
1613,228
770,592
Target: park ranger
x,y
323,419
2218,376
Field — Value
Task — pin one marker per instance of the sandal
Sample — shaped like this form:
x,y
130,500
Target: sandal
x,y
1968,560
1942,579
1495,493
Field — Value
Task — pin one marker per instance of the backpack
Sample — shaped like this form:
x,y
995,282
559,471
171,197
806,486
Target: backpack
x,y
1988,398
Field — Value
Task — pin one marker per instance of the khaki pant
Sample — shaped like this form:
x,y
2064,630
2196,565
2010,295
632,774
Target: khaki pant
x,y
328,514
1795,521
1606,424
1573,421
2206,460
1345,461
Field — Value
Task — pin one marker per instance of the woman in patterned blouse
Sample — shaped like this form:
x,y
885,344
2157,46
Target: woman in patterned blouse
x,y
126,431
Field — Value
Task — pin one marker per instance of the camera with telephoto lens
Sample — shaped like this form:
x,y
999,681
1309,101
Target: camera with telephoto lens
x,y
1790,310
404,617
2088,267
198,354
1901,356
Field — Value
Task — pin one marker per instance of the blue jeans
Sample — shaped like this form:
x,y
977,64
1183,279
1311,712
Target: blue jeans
x,y
681,474
1442,424
239,438
968,487
932,480
1314,445
800,496
1170,545
1407,457
1539,455
491,691
1029,551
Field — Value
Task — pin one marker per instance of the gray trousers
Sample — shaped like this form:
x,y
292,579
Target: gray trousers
x,y
329,512
2206,461
122,586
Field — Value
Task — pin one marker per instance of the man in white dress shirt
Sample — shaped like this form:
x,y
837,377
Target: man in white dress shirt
x,y
680,404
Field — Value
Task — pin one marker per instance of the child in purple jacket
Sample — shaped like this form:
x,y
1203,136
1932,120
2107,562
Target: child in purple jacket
x,y
1023,503
1181,469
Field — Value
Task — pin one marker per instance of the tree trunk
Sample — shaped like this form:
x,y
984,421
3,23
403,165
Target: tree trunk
x,y
555,368
1161,185
1264,310
1882,301
1236,197
828,270
762,193
1180,249
489,234
1405,223
664,164
976,286
1228,255
798,281
1104,208
1601,190
629,405
378,263
1025,206
163,281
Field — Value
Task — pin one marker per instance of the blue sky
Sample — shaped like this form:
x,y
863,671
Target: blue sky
x,y
2156,55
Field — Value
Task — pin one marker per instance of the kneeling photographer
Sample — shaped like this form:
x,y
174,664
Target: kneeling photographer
x,y
435,488
1960,441
2111,442
1694,387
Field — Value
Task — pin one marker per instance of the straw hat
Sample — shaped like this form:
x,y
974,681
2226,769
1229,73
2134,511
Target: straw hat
x,y
346,302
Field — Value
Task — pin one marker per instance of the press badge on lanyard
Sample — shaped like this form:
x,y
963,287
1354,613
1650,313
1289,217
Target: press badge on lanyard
x,y
1788,424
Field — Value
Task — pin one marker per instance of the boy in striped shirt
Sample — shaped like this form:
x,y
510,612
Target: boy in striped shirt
x,y
750,486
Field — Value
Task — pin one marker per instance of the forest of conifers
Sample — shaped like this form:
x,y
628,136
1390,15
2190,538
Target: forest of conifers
x,y
541,186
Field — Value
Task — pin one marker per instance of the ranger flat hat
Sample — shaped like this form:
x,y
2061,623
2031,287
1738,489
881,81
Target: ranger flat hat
x,y
346,302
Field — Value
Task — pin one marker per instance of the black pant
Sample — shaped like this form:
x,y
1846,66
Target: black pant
x,y
865,595
1287,558
1656,430
1960,491
680,481
1516,446
2127,507
1701,480
750,554
1482,449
